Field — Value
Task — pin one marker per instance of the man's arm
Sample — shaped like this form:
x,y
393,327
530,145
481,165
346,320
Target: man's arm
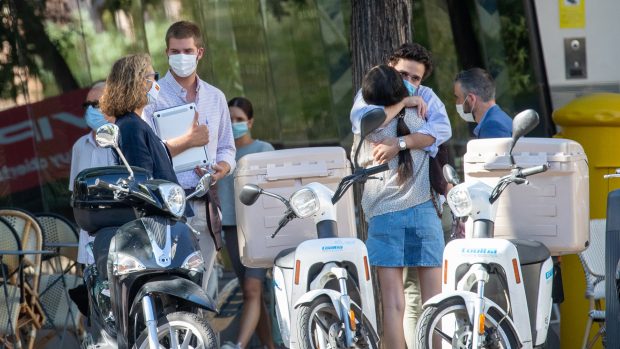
x,y
226,149
196,136
360,107
438,123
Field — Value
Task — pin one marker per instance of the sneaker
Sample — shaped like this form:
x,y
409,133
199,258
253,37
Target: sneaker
x,y
230,345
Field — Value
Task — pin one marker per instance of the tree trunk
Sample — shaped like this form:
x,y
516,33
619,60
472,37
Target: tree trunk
x,y
377,28
34,34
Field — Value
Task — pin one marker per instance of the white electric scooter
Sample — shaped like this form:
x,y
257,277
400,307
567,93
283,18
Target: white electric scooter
x,y
323,287
496,293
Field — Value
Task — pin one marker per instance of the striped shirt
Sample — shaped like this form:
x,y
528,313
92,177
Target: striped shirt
x,y
212,110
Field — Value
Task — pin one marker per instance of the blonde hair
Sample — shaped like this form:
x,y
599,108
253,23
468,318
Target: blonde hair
x,y
125,89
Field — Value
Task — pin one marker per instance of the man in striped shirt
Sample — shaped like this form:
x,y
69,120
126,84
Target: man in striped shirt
x,y
181,85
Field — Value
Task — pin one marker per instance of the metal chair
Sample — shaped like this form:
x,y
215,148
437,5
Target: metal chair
x,y
9,293
593,262
30,236
61,238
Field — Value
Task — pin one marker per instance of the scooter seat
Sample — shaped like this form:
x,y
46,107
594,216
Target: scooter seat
x,y
286,258
530,251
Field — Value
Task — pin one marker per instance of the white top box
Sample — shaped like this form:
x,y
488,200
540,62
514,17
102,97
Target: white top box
x,y
554,207
284,172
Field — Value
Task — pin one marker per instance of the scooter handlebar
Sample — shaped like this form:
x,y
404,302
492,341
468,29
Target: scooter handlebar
x,y
377,169
533,170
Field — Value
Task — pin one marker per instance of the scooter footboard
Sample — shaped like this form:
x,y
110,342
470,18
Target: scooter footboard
x,y
469,299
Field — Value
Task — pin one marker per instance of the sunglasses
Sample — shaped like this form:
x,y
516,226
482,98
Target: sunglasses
x,y
94,104
155,76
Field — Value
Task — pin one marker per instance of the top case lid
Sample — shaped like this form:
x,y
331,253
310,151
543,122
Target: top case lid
x,y
493,152
293,163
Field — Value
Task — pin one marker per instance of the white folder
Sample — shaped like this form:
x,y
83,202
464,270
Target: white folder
x,y
174,122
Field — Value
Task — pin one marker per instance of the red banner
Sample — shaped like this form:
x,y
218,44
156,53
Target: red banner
x,y
36,141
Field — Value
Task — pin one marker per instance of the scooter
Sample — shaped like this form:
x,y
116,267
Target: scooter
x,y
144,289
496,293
323,287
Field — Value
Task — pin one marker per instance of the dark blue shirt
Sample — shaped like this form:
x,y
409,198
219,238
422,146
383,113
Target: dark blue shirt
x,y
495,123
143,148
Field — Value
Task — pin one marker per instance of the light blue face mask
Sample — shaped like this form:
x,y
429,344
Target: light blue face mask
x,y
94,118
239,129
409,87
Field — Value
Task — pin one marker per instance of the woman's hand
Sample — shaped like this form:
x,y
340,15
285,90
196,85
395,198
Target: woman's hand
x,y
416,101
385,150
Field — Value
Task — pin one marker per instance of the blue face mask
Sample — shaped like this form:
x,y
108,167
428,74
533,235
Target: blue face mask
x,y
409,87
239,129
94,118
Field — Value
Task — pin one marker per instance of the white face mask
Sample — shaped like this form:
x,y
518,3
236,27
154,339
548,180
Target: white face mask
x,y
468,117
183,65
153,93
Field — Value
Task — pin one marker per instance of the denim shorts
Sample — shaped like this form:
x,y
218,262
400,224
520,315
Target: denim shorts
x,y
408,238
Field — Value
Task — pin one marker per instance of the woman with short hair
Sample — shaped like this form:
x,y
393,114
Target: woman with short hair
x,y
131,85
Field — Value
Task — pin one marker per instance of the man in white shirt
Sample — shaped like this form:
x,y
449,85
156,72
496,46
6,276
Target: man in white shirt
x,y
181,85
87,154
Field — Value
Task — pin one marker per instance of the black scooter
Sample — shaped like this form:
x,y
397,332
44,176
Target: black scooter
x,y
144,289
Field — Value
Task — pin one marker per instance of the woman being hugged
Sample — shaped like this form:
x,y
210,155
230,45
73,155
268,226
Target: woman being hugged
x,y
403,227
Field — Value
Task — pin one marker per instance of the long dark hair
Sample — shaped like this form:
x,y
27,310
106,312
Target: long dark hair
x,y
384,86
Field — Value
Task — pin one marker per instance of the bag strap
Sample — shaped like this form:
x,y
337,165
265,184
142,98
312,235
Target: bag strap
x,y
435,204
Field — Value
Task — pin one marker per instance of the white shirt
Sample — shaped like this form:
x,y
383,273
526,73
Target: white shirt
x,y
212,110
86,154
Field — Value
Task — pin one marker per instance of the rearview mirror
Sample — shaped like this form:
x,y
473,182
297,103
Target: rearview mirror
x,y
203,186
522,124
370,122
107,137
249,194
449,173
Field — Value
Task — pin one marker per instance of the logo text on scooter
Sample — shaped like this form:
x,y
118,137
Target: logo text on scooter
x,y
549,274
332,248
479,250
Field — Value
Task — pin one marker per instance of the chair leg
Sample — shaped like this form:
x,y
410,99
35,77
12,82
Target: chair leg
x,y
587,334
598,334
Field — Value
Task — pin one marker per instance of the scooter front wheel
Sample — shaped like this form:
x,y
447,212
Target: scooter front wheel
x,y
181,330
449,321
319,327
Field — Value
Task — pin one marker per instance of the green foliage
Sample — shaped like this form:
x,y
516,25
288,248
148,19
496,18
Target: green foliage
x,y
516,45
12,63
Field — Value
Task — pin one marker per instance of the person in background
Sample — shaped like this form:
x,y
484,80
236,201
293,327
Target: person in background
x,y
87,154
254,316
404,230
474,90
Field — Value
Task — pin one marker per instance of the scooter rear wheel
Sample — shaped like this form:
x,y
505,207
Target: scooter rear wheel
x,y
319,326
179,328
498,335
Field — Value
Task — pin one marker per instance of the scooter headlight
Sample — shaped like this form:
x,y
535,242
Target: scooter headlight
x,y
174,198
304,202
460,201
194,262
125,264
